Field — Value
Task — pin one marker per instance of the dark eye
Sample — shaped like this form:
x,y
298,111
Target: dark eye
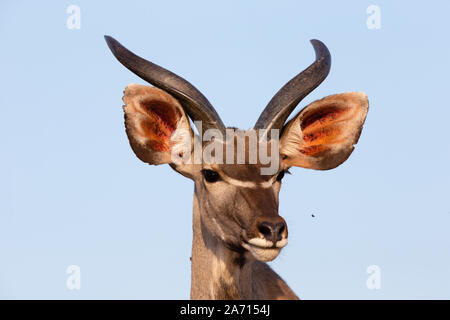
x,y
210,175
280,176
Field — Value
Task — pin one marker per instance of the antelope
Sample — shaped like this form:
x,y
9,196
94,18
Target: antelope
x,y
236,225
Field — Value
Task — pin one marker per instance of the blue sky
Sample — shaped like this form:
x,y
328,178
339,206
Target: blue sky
x,y
73,193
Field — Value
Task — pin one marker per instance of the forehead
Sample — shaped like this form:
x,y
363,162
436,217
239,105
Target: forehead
x,y
243,156
243,172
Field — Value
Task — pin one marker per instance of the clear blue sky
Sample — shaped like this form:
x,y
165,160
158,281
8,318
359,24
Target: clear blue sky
x,y
73,193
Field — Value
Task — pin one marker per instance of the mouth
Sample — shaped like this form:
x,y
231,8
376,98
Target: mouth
x,y
262,249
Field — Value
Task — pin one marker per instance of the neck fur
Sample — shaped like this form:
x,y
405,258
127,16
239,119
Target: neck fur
x,y
220,273
215,268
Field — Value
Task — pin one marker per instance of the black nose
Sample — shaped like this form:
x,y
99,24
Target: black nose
x,y
272,229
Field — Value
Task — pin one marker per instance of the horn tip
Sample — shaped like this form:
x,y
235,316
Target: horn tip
x,y
111,42
116,48
320,48
317,44
313,41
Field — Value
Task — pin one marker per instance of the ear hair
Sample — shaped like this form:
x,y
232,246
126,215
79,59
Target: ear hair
x,y
151,118
322,135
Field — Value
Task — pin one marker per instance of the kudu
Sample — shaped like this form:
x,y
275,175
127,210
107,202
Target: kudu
x,y
236,226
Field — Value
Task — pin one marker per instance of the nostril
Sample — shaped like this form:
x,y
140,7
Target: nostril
x,y
265,229
281,229
272,231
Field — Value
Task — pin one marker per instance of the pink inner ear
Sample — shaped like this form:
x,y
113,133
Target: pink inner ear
x,y
323,134
322,127
313,150
322,117
161,123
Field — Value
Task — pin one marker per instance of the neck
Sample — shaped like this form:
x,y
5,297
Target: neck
x,y
215,268
221,273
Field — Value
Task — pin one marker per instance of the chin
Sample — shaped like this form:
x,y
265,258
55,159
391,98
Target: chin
x,y
261,253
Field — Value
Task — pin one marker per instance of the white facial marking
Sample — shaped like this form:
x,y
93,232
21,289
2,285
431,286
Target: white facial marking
x,y
263,249
247,184
222,234
282,243
263,243
262,254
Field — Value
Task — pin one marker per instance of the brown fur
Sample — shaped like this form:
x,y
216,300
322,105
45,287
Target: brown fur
x,y
216,275
227,214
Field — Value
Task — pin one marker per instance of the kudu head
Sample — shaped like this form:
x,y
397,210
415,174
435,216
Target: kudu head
x,y
238,201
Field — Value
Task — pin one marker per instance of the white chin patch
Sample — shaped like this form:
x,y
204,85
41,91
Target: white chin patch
x,y
262,254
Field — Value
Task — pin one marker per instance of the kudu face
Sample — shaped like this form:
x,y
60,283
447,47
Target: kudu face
x,y
239,205
238,202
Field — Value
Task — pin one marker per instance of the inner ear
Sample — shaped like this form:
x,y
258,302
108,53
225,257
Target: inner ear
x,y
159,124
323,135
152,117
322,127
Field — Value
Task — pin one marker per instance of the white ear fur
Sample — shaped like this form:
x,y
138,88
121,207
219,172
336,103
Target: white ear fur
x,y
323,134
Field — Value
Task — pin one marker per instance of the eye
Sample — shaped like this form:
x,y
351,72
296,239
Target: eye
x,y
280,176
210,175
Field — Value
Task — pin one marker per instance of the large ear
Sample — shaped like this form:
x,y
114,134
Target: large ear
x,y
152,118
323,134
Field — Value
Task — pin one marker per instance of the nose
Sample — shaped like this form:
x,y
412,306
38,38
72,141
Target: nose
x,y
272,228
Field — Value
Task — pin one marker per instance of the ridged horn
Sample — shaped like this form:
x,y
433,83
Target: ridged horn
x,y
290,95
193,101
